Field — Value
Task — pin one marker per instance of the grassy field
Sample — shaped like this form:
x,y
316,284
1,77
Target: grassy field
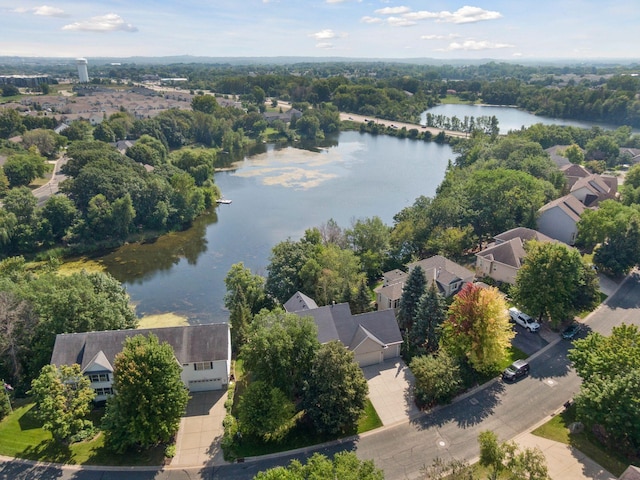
x,y
557,429
454,99
22,436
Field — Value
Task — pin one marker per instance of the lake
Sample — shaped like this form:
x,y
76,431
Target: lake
x,y
509,118
276,194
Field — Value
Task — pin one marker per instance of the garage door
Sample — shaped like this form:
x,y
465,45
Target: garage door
x,y
370,358
205,385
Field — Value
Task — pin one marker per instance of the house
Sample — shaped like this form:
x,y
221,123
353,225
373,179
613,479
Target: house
x,y
203,352
593,189
448,275
389,293
502,259
559,219
631,473
556,153
373,337
285,117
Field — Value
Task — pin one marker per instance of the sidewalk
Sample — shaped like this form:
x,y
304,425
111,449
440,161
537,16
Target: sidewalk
x,y
563,461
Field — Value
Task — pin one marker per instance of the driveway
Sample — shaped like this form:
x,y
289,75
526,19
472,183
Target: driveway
x,y
198,440
390,391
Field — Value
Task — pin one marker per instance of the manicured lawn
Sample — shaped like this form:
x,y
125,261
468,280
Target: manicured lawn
x,y
370,419
454,99
22,436
557,429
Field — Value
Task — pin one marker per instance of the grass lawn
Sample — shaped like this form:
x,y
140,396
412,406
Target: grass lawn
x,y
22,436
557,429
454,99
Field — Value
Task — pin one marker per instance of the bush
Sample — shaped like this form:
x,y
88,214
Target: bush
x,y
170,451
5,406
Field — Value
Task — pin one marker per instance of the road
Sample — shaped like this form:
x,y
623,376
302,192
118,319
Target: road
x,y
401,450
52,186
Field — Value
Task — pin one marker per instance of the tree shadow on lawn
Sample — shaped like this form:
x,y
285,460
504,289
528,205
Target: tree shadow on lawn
x,y
50,449
467,411
29,420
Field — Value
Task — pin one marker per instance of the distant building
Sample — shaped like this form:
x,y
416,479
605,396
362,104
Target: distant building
x,y
83,74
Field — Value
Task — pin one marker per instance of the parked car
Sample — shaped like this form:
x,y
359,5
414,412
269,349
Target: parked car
x,y
523,320
517,370
571,331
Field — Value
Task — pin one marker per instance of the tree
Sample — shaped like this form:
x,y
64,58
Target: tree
x,y
344,466
46,141
554,282
150,396
9,90
478,328
610,370
369,239
77,130
611,217
10,123
63,398
438,378
103,132
205,104
60,213
285,263
280,349
491,453
265,411
23,168
574,153
362,301
17,321
431,312
335,391
621,251
452,469
529,464
412,291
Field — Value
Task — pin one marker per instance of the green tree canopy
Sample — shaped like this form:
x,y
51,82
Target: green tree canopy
x,y
150,396
344,466
554,282
412,292
265,411
431,312
438,378
478,328
280,349
335,391
22,169
63,398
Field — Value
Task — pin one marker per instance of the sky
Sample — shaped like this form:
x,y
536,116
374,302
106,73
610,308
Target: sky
x,y
390,29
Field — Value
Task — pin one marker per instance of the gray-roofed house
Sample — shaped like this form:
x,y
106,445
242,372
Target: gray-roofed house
x,y
593,189
373,337
559,219
502,258
449,276
203,352
389,293
556,153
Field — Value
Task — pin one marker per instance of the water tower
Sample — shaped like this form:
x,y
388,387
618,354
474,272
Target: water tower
x,y
83,75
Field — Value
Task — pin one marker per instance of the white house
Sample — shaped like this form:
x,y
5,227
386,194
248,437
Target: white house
x,y
203,352
373,337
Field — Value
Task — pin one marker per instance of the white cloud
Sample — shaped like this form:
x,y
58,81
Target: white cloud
x,y
326,45
324,34
47,11
43,10
392,10
368,19
110,22
400,22
475,45
468,14
421,15
439,37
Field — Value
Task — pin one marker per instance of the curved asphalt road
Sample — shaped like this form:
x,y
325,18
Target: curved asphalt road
x,y
402,450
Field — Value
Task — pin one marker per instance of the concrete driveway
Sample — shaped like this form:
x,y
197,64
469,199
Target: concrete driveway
x,y
390,391
198,440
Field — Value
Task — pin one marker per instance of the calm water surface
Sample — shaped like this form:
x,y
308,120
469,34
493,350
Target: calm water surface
x,y
276,194
509,118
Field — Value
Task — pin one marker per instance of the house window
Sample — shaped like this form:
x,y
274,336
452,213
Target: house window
x,y
104,391
99,377
203,366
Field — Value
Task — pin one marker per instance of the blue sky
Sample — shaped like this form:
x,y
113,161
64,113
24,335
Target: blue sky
x,y
497,29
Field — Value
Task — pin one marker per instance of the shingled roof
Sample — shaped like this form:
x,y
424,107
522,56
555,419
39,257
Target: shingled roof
x,y
196,343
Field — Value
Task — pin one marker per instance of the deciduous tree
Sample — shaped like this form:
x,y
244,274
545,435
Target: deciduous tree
x,y
344,466
478,328
335,391
554,282
438,378
63,398
265,411
150,396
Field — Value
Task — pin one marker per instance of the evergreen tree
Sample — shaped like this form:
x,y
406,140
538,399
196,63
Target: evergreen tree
x,y
411,293
362,301
424,335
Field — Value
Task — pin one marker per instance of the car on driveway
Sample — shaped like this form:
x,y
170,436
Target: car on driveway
x,y
517,370
571,331
523,320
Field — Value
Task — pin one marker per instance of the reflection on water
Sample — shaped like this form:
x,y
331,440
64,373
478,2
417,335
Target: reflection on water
x,y
135,263
277,192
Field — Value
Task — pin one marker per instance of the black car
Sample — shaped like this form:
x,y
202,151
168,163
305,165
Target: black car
x,y
571,331
518,369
